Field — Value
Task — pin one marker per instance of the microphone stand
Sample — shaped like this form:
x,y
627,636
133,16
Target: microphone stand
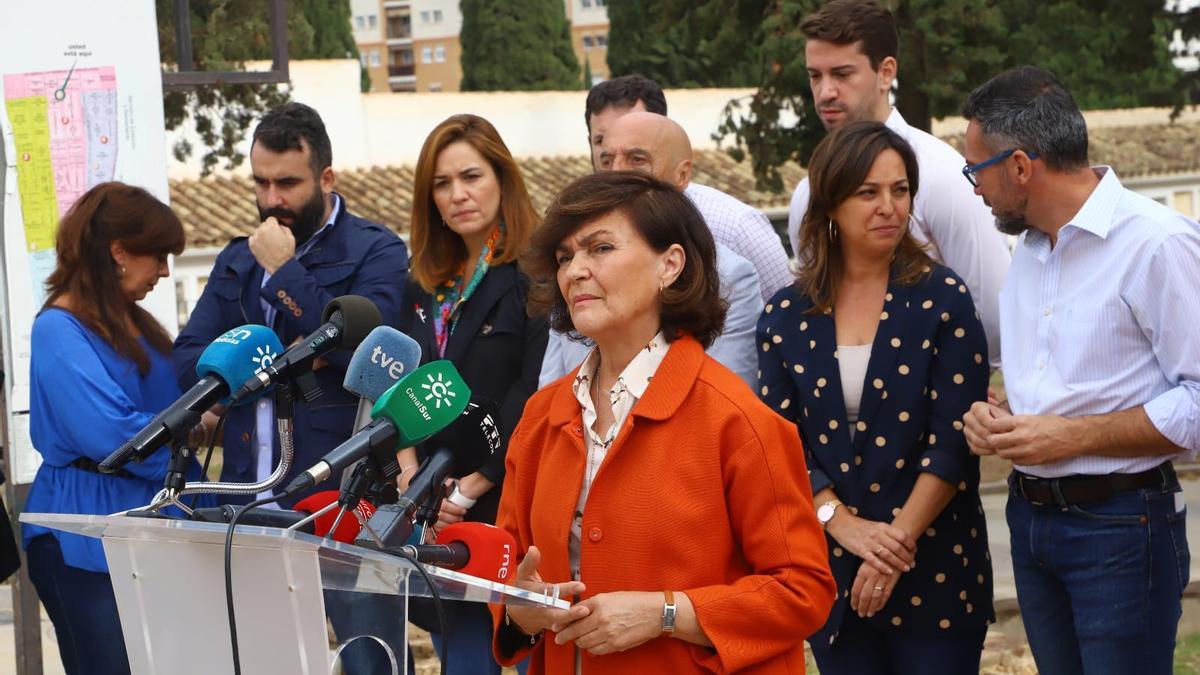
x,y
366,473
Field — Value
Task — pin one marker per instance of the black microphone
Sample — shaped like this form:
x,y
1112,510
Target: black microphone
x,y
348,319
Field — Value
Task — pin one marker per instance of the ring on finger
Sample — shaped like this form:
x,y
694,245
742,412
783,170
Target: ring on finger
x,y
878,551
879,589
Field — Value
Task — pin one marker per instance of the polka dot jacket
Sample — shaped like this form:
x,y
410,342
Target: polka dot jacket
x,y
928,365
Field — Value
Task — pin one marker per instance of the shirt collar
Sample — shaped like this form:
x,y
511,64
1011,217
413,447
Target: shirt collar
x,y
635,378
1096,214
896,123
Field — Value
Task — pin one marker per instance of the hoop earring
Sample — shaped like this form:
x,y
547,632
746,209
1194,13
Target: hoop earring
x,y
832,230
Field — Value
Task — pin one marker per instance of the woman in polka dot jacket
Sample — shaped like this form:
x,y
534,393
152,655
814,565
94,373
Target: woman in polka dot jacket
x,y
875,353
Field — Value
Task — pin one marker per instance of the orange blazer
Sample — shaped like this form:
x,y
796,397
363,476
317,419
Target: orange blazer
x,y
704,491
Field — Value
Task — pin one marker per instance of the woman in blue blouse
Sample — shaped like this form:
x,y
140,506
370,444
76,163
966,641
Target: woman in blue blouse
x,y
875,352
99,371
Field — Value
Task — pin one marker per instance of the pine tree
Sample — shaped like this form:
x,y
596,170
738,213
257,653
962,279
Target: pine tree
x,y
517,45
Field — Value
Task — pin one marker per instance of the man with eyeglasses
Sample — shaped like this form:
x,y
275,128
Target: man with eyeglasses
x,y
1101,352
850,55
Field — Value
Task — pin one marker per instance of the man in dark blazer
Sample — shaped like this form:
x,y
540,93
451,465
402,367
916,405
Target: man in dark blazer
x,y
308,250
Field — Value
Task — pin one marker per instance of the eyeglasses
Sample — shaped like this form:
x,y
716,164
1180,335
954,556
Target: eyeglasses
x,y
969,170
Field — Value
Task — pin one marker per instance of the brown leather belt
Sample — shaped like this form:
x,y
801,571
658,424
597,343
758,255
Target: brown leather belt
x,y
1085,489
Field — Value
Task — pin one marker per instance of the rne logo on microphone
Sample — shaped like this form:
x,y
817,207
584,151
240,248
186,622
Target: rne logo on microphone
x,y
439,390
505,562
264,359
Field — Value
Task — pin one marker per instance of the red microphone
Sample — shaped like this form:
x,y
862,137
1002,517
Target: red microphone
x,y
477,549
348,529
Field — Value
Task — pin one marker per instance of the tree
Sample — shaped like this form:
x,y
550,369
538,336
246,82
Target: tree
x,y
517,45
1109,53
226,34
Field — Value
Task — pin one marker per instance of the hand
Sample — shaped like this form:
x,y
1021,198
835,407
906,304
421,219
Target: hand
x,y
272,245
449,513
200,435
871,590
615,622
534,620
976,423
1033,439
880,545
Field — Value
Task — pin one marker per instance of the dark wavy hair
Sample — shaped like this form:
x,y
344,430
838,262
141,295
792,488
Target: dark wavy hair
x,y
839,166
663,216
86,271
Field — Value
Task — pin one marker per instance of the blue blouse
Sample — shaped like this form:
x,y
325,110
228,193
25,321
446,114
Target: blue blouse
x,y
85,401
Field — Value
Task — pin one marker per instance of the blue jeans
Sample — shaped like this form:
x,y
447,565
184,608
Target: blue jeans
x,y
1100,584
83,608
469,639
864,648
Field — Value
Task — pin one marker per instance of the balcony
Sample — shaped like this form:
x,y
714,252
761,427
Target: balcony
x,y
402,71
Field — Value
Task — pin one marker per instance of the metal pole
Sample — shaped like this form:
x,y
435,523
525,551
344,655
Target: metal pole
x,y
183,36
279,38
27,613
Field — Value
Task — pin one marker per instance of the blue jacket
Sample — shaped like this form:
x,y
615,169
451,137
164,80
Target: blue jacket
x,y
355,257
928,365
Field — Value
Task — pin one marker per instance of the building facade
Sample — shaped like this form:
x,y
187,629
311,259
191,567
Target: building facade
x,y
413,45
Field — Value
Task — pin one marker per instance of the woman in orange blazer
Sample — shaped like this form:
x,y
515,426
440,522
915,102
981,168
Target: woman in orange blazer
x,y
651,485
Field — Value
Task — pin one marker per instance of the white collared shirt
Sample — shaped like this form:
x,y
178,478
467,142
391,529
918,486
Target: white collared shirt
x,y
747,232
951,218
1107,320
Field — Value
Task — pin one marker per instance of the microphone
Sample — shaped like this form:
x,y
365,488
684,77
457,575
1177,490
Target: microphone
x,y
477,549
347,319
346,530
462,448
228,361
383,358
421,404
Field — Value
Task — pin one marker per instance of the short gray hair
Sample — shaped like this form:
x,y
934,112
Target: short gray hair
x,y
1028,108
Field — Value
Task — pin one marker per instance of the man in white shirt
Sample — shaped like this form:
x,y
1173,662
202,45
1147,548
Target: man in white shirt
x,y
1100,321
741,227
642,141
850,54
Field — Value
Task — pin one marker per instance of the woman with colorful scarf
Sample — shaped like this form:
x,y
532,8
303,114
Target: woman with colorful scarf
x,y
465,302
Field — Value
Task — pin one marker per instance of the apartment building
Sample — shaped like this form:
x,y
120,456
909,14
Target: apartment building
x,y
413,45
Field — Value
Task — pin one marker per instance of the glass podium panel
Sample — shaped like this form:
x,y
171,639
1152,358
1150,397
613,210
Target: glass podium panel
x,y
299,599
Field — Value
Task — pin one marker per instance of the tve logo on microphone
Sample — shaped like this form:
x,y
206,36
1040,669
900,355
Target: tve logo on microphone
x,y
393,365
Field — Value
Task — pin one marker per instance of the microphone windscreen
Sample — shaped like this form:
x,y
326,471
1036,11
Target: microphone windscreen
x,y
383,358
350,526
359,316
424,402
238,355
473,437
493,550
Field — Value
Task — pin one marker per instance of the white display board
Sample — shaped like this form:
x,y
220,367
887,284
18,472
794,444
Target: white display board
x,y
80,104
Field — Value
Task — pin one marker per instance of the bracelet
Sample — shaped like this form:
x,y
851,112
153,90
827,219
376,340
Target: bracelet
x,y
457,497
533,639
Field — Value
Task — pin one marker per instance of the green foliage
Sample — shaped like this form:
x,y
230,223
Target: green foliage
x,y
226,34
517,45
1109,53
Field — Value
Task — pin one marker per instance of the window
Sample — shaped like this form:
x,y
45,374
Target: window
x,y
599,3
361,22
425,16
587,3
363,58
602,41
587,42
437,16
426,54
439,54
372,21
374,58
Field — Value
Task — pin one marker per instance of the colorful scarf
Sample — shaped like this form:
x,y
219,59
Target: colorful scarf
x,y
453,294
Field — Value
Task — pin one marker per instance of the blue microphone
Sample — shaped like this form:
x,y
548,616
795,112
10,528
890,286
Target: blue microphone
x,y
381,360
227,362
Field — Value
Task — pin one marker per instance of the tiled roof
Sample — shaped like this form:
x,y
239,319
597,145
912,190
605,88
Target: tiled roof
x,y
214,210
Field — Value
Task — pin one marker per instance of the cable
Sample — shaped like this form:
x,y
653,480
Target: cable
x,y
437,602
212,443
237,664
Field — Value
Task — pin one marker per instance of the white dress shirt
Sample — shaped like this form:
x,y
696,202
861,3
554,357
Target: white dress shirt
x,y
747,232
733,348
951,219
1107,320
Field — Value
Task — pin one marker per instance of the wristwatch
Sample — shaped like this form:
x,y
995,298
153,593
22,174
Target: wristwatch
x,y
825,511
668,612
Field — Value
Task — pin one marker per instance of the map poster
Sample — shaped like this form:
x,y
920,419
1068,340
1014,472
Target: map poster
x,y
80,104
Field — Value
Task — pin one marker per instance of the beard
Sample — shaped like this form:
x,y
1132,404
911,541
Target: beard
x,y
1014,225
1011,220
305,222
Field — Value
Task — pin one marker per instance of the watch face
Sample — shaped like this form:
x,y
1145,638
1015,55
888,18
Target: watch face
x,y
825,513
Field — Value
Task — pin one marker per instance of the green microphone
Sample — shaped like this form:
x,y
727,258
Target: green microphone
x,y
422,403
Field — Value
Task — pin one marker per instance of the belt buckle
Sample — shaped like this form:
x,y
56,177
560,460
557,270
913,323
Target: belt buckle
x,y
1021,482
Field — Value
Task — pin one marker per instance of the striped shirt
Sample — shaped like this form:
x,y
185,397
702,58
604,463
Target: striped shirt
x,y
1107,320
747,232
